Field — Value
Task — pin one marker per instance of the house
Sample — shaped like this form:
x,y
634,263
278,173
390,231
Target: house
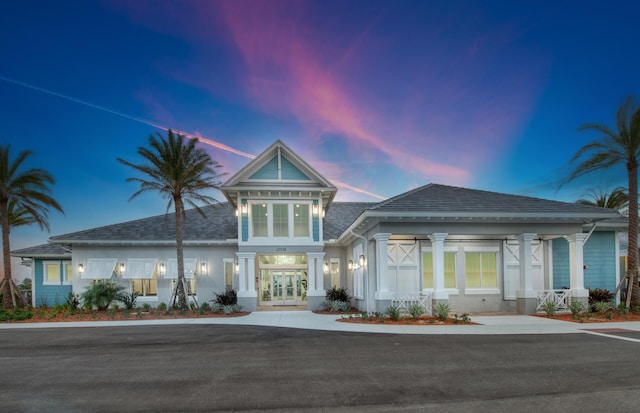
x,y
280,239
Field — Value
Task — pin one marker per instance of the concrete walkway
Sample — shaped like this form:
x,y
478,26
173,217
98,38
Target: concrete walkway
x,y
493,324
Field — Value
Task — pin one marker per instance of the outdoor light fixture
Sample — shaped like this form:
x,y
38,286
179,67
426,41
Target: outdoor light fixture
x,y
162,268
315,209
362,261
244,209
237,267
326,267
350,265
80,268
236,211
122,268
203,268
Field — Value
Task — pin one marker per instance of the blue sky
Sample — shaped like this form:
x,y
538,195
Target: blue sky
x,y
378,96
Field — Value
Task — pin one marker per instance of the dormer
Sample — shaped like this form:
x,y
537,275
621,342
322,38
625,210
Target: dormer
x,y
279,199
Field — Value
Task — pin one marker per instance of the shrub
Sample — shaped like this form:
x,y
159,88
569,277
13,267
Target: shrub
x,y
101,295
162,306
441,311
227,309
622,309
464,318
73,301
229,297
128,299
597,295
337,294
205,306
393,312
15,315
216,307
602,307
416,311
577,308
550,308
147,307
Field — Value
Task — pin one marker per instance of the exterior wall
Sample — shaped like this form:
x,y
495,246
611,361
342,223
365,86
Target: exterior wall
x,y
599,259
206,284
44,294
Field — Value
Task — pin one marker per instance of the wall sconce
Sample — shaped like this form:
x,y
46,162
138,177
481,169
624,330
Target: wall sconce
x,y
362,261
203,268
350,265
80,268
237,267
245,209
236,211
315,210
122,268
326,267
162,269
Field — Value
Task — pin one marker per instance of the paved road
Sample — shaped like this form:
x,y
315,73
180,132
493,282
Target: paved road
x,y
244,368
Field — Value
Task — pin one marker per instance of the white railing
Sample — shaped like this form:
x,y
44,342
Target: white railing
x,y
562,299
405,301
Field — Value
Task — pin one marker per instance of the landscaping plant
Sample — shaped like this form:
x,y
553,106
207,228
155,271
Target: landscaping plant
x,y
441,311
101,295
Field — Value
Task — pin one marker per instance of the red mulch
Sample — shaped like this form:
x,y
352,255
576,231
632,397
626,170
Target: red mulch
x,y
616,317
50,315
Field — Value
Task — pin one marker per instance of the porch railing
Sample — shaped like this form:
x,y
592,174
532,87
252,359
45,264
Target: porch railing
x,y
405,301
562,299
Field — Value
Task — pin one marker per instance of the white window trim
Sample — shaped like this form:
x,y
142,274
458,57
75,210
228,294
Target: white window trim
x,y
455,250
67,279
270,238
487,291
45,274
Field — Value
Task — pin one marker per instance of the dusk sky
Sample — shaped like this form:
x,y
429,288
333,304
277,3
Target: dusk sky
x,y
379,96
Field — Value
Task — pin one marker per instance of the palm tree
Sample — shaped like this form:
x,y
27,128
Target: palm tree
x,y
179,171
617,199
24,199
614,147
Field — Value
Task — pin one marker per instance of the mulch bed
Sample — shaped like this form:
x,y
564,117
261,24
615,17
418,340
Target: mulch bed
x,y
51,315
616,317
356,317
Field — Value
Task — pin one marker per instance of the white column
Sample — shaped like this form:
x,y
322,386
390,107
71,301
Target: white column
x,y
437,252
246,274
382,266
525,257
315,275
576,264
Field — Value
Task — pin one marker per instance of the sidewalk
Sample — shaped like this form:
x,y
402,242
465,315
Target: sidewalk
x,y
494,324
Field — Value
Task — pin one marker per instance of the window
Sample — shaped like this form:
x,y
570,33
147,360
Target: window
x,y
449,270
259,219
280,220
189,283
51,272
481,270
67,272
190,265
301,220
143,275
228,273
334,269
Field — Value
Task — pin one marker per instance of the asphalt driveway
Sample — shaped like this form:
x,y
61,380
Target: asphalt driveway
x,y
244,368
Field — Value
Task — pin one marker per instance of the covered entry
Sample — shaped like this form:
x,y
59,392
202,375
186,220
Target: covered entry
x,y
282,280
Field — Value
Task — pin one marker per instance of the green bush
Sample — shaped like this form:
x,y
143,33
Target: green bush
x,y
338,294
101,295
15,315
229,297
577,308
393,312
602,307
550,308
128,299
441,311
205,307
146,307
416,311
597,295
73,301
162,306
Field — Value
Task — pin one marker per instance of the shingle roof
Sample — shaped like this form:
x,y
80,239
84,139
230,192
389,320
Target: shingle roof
x,y
219,223
443,198
340,215
43,250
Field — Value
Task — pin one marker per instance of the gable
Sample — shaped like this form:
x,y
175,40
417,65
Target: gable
x,y
286,171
